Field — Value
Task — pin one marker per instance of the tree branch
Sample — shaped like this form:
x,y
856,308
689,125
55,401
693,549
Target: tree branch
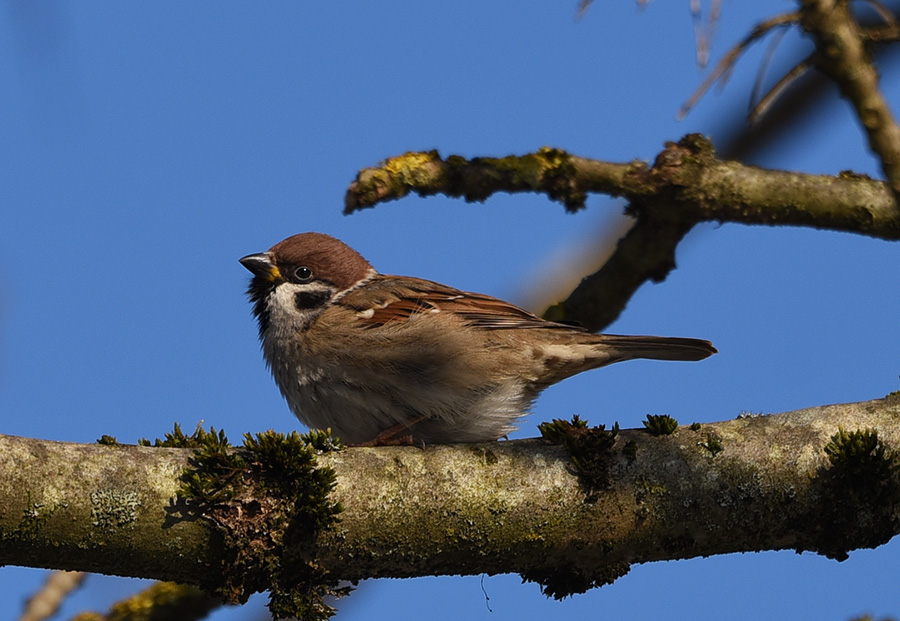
x,y
88,507
842,55
686,185
755,483
161,600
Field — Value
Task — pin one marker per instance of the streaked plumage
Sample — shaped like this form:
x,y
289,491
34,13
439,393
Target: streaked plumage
x,y
377,357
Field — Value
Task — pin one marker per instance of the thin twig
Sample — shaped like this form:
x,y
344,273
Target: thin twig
x,y
763,105
46,601
583,7
704,30
725,65
764,66
699,33
883,12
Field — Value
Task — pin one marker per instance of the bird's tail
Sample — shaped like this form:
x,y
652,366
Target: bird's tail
x,y
627,347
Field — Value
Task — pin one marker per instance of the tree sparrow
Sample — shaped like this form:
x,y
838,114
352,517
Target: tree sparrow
x,y
378,358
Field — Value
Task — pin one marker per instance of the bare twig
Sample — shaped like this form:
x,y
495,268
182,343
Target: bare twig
x,y
704,29
890,20
46,602
765,103
583,7
764,66
725,65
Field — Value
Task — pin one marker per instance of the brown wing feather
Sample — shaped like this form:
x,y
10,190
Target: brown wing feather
x,y
393,299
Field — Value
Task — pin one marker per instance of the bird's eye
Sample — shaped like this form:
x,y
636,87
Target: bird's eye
x,y
303,274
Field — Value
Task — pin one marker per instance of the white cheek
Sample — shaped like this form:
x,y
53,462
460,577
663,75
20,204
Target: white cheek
x,y
284,316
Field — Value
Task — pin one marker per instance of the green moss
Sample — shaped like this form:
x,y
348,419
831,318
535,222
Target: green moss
x,y
268,501
630,450
650,487
321,440
860,454
660,424
288,463
162,601
199,439
216,469
560,583
893,398
591,451
589,447
558,429
860,492
712,444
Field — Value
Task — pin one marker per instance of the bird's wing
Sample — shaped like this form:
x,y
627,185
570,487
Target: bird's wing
x,y
388,299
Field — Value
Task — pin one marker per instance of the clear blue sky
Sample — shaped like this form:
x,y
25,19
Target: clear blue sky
x,y
145,147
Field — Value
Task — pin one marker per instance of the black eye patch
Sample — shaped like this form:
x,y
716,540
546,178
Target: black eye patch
x,y
305,300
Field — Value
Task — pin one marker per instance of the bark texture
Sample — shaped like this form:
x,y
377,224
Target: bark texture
x,y
753,483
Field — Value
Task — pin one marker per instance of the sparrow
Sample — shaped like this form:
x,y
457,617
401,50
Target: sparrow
x,y
384,359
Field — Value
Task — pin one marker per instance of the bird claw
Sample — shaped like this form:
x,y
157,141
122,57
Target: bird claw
x,y
395,436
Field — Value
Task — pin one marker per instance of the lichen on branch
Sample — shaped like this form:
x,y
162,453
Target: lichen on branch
x,y
824,479
687,184
549,171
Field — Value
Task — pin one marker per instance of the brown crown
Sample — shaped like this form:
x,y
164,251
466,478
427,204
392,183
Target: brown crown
x,y
329,259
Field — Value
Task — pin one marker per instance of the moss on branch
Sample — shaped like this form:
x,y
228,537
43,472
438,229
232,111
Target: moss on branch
x,y
788,481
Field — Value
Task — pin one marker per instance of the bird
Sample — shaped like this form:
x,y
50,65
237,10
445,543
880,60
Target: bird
x,y
381,359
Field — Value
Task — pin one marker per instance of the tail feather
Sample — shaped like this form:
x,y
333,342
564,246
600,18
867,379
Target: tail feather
x,y
629,347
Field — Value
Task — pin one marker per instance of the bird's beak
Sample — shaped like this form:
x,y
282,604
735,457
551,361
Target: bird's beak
x,y
261,265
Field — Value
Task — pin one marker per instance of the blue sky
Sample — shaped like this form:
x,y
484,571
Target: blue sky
x,y
148,146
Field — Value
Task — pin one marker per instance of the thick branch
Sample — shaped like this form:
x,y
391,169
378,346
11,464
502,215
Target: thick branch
x,y
841,54
516,506
749,484
646,252
96,508
688,185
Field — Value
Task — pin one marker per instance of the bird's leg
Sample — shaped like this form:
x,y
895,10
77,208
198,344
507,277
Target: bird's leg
x,y
394,436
